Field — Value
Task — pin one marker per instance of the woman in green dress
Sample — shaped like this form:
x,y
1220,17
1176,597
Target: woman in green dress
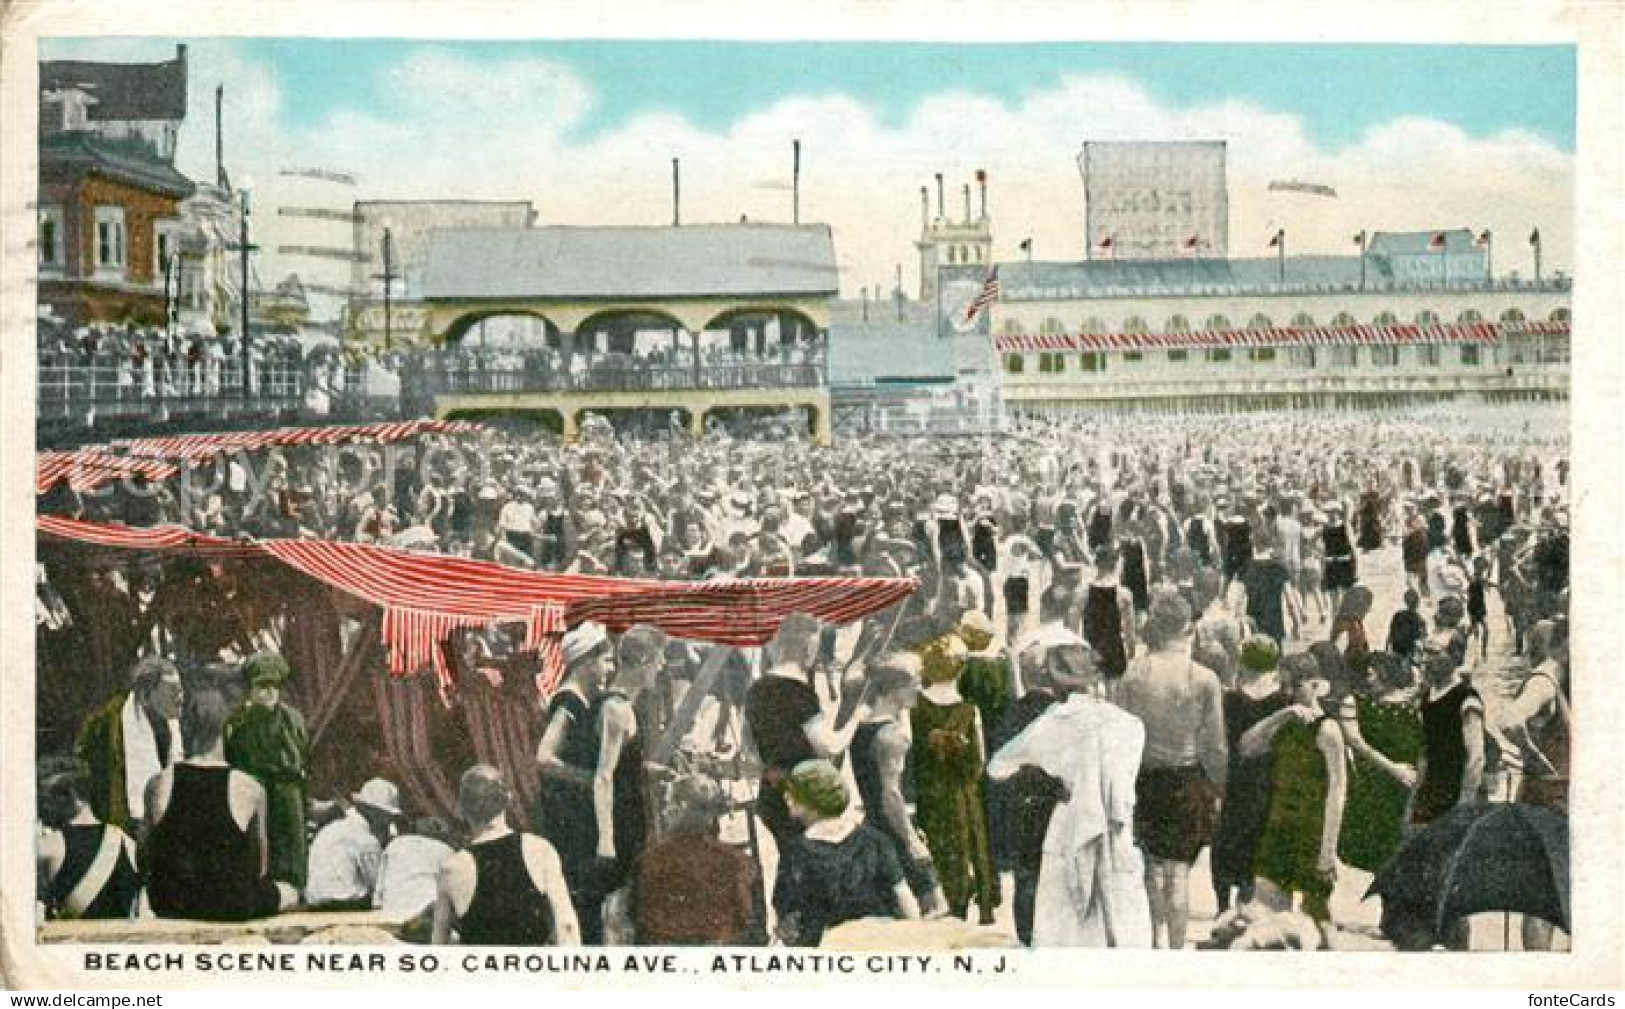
x,y
266,739
1297,851
948,759
985,680
1382,726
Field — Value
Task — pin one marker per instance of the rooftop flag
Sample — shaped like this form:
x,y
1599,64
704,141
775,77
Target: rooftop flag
x,y
989,293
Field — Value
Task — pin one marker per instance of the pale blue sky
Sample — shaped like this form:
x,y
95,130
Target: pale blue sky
x,y
1338,91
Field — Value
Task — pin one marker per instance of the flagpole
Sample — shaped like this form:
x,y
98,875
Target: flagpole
x,y
1280,254
1362,259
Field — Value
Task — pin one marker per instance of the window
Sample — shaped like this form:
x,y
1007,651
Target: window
x,y
1178,356
1052,326
1014,364
1469,316
166,243
1385,319
1260,354
1218,355
50,236
1094,324
1301,357
1179,324
1386,357
110,238
1133,355
1343,319
1012,327
1427,317
1560,315
1260,321
1217,324
1091,361
1345,357
1512,315
1427,355
1469,354
1051,363
1303,320
1135,324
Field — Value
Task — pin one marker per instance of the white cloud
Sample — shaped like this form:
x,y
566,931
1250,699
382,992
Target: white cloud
x,y
459,128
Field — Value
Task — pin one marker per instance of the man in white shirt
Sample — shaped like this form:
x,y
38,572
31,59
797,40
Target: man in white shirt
x,y
409,870
345,855
1091,890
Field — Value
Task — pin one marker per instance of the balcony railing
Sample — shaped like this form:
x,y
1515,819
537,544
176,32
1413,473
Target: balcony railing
x,y
111,390
452,377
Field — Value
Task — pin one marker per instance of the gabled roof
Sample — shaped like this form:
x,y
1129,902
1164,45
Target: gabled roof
x,y
699,260
131,161
1412,243
1019,281
124,91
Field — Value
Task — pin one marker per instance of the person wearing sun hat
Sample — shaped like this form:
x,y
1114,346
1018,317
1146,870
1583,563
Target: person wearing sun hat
x,y
567,759
267,740
345,854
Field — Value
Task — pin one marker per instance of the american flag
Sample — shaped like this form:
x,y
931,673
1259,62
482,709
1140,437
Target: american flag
x,y
990,293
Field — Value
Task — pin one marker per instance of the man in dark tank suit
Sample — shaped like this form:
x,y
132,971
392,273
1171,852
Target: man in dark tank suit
x,y
1452,765
1107,608
87,868
203,855
505,888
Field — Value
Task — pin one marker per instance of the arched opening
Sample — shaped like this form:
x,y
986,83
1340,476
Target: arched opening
x,y
1343,319
1512,315
1094,324
1303,320
524,423
1260,321
1385,319
648,336
1135,325
1178,324
644,424
775,333
503,330
1469,316
1217,324
1427,317
1559,315
1051,327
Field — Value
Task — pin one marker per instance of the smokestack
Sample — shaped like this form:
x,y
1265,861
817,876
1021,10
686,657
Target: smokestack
x,y
219,149
795,181
676,194
981,181
925,209
967,203
942,212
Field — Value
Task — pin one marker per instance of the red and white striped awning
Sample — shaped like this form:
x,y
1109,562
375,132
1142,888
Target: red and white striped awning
x,y
194,446
1289,336
94,465
425,597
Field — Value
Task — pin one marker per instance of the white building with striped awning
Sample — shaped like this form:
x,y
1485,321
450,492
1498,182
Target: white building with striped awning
x,y
1303,332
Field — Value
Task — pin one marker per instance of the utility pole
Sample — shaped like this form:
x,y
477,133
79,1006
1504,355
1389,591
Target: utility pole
x,y
389,276
244,248
795,182
676,194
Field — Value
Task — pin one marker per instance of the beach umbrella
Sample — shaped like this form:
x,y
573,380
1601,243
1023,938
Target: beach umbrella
x,y
1501,856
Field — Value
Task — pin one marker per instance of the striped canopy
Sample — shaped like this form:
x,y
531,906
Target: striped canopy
x,y
94,465
1289,336
425,597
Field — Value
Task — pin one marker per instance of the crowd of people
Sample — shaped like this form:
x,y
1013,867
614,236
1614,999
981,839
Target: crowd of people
x,y
1134,639
113,363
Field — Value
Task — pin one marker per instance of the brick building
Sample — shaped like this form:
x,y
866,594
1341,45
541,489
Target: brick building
x,y
109,193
